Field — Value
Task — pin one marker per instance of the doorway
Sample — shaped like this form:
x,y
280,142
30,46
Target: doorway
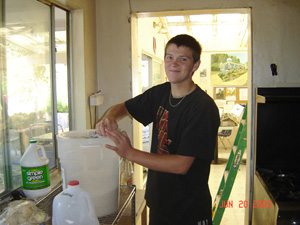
x,y
225,71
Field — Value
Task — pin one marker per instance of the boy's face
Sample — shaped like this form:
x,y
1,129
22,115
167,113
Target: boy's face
x,y
179,63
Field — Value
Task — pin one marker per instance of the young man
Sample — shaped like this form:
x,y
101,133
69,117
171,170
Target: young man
x,y
185,124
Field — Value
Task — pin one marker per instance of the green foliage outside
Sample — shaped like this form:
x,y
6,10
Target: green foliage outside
x,y
62,108
22,120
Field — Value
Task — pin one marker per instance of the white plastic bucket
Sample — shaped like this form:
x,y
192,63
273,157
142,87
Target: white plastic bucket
x,y
83,157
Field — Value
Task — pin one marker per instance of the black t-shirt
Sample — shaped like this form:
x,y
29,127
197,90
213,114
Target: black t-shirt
x,y
189,129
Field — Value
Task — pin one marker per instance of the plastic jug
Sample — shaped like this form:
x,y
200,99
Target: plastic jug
x,y
35,171
73,206
126,176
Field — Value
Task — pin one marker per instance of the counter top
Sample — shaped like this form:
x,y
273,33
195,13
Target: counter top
x,y
127,196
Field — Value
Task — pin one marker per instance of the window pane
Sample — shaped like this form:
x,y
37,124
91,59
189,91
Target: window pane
x,y
26,103
61,69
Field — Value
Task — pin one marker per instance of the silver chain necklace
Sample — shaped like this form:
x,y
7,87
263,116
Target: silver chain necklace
x,y
177,103
170,96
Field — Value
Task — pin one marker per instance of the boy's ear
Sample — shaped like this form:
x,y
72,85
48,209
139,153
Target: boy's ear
x,y
196,65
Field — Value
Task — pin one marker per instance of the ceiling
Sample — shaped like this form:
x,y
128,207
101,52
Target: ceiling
x,y
214,31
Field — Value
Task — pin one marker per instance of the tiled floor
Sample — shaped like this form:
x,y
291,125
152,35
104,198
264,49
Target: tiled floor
x,y
233,215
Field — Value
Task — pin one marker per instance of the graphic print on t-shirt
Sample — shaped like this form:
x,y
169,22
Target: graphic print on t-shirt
x,y
162,116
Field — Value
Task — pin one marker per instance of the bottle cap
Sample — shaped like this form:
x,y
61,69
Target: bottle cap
x,y
73,182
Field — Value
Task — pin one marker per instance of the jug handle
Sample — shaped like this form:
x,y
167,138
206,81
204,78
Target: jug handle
x,y
121,161
91,146
44,157
90,207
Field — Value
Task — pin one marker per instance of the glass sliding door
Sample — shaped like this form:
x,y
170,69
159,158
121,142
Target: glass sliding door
x,y
34,83
26,82
61,69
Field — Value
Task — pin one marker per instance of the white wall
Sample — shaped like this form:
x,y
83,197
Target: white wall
x,y
114,55
275,39
146,33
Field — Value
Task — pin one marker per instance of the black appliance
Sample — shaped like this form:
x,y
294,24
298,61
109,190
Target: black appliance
x,y
276,194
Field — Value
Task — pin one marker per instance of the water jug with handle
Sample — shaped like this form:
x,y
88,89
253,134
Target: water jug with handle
x,y
35,171
73,206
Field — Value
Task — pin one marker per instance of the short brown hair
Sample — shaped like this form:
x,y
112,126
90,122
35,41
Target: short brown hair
x,y
187,41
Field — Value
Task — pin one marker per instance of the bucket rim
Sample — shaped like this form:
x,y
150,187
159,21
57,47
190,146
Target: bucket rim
x,y
78,134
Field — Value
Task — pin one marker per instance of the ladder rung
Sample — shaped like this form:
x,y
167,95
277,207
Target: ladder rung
x,y
234,148
226,173
220,192
216,204
217,200
218,197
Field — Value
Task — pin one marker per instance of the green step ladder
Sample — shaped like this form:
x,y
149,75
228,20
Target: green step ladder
x,y
231,170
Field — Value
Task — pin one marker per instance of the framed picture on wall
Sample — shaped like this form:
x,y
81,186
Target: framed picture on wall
x,y
203,71
243,94
219,94
230,94
229,69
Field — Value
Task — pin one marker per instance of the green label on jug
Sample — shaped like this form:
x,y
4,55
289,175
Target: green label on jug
x,y
35,178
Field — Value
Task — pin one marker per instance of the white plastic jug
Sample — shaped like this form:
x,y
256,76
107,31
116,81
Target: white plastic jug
x,y
84,157
35,171
73,206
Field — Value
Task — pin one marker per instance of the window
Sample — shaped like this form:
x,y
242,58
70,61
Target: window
x,y
34,83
